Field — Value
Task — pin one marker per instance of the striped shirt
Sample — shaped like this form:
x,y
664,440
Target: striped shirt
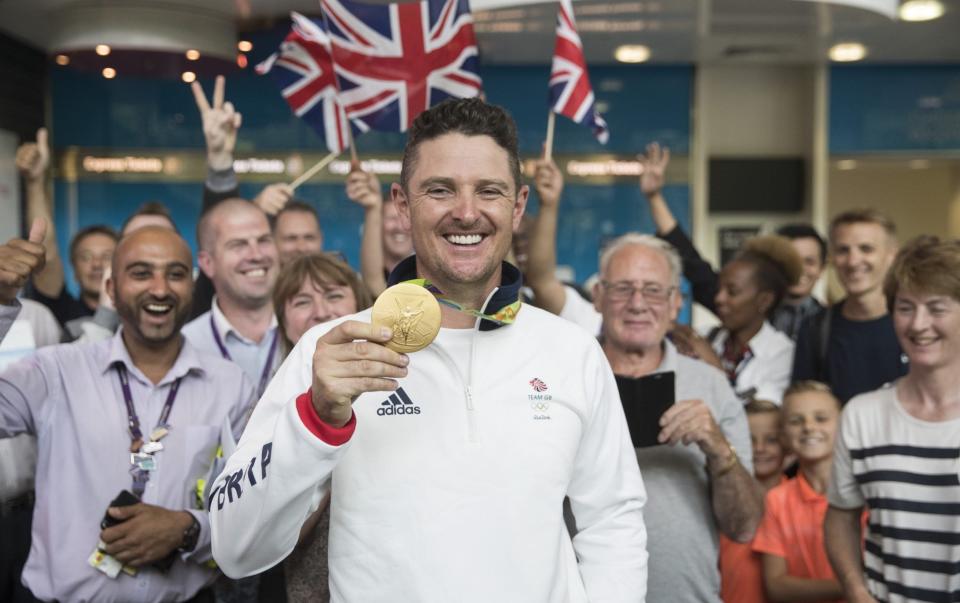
x,y
905,470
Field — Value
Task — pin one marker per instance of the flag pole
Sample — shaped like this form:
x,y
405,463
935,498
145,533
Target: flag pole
x,y
313,171
548,145
354,162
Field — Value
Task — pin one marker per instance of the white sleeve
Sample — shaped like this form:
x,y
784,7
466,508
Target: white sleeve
x,y
607,496
580,312
844,491
277,476
776,375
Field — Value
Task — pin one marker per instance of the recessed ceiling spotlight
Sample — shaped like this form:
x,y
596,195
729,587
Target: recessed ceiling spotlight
x,y
921,10
193,55
102,49
62,59
847,52
632,53
109,73
242,61
188,76
244,45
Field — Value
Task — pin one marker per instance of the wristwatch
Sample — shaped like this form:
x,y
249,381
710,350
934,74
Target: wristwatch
x,y
190,536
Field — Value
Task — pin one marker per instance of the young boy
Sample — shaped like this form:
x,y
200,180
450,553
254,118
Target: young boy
x,y
790,537
741,580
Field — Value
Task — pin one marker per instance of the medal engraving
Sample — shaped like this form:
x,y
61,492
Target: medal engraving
x,y
412,313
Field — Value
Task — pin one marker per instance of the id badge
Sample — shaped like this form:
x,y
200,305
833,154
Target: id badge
x,y
105,563
143,461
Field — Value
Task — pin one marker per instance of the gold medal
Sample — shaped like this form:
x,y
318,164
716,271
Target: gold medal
x,y
413,314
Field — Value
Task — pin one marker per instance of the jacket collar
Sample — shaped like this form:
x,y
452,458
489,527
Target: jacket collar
x,y
511,281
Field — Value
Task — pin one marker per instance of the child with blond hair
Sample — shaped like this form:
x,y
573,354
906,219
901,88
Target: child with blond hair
x,y
790,537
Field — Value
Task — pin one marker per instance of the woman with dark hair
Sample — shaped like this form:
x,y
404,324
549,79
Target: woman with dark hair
x,y
756,358
310,290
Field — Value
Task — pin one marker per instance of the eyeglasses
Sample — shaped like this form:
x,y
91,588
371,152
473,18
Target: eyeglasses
x,y
623,291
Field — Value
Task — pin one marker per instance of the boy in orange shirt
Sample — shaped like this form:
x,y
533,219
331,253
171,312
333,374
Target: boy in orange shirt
x,y
790,537
741,580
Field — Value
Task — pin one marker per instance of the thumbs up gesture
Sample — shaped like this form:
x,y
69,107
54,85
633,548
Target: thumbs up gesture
x,y
19,259
33,158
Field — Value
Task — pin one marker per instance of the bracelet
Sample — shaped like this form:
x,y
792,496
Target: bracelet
x,y
732,462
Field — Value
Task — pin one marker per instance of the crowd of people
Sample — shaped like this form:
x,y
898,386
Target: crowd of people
x,y
246,435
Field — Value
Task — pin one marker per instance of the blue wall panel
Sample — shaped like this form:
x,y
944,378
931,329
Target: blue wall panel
x,y
894,108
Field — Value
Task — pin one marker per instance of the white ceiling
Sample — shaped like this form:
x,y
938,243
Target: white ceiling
x,y
677,31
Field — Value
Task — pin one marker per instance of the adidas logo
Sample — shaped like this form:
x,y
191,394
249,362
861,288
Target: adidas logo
x,y
399,403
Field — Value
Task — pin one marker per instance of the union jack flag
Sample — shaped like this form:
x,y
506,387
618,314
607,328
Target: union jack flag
x,y
570,92
303,68
395,61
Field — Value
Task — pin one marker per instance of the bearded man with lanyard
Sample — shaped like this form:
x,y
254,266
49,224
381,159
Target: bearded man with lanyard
x,y
137,415
238,254
456,493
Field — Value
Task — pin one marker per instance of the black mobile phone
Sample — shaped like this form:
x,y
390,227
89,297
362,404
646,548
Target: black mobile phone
x,y
644,402
124,499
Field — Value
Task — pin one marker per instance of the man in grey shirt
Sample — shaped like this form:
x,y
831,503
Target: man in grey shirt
x,y
700,474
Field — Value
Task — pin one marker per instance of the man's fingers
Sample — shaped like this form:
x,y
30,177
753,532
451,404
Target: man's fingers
x,y
665,157
678,411
38,230
218,91
237,121
362,385
42,141
351,330
365,367
200,98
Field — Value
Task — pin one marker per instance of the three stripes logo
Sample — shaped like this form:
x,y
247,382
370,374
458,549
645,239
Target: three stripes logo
x,y
399,403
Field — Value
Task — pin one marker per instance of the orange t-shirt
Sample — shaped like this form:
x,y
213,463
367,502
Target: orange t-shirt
x,y
741,573
792,528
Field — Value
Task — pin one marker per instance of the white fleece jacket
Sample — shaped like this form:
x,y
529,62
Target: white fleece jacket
x,y
457,497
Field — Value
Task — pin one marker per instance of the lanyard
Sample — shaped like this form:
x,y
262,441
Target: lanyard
x,y
143,462
265,375
503,316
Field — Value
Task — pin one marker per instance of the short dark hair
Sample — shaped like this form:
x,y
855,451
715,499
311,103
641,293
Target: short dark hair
x,y
800,230
150,208
467,116
299,205
100,229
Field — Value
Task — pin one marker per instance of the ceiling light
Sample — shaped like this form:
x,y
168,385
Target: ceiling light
x,y
632,53
244,45
847,52
847,164
62,59
188,76
242,61
109,73
921,10
102,49
193,55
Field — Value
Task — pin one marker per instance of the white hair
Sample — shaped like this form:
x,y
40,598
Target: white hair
x,y
650,242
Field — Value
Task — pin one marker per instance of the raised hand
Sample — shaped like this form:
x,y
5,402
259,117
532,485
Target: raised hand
x,y
273,198
220,124
19,259
348,361
33,158
548,182
363,188
654,164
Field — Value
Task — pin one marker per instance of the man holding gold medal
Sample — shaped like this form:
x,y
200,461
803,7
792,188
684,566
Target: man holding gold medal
x,y
451,420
